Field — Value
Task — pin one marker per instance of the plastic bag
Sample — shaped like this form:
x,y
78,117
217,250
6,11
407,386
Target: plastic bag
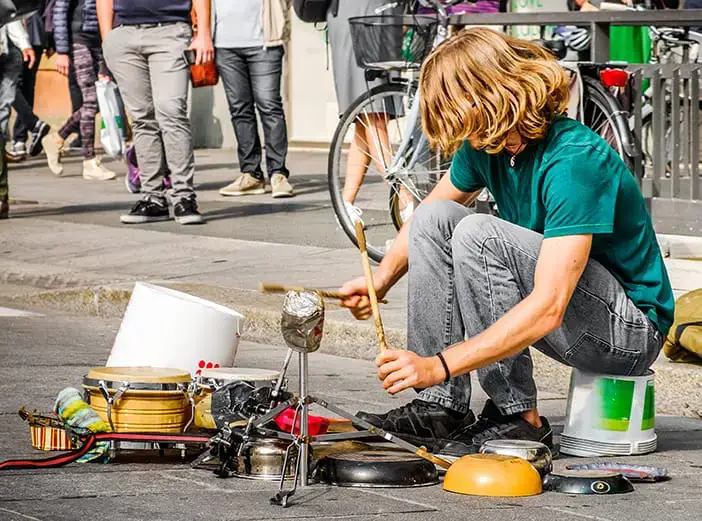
x,y
111,126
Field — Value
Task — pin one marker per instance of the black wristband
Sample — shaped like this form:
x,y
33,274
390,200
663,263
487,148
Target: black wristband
x,y
446,369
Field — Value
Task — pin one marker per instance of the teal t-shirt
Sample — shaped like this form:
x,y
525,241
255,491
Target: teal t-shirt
x,y
573,183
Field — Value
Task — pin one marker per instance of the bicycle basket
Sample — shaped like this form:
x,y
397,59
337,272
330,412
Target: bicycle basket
x,y
392,42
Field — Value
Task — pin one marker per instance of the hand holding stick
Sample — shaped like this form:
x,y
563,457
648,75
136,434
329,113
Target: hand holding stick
x,y
361,237
268,287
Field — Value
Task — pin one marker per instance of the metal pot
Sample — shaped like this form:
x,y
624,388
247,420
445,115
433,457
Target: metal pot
x,y
262,458
534,452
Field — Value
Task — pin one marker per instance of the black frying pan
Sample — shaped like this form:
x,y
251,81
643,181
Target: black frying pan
x,y
376,468
587,482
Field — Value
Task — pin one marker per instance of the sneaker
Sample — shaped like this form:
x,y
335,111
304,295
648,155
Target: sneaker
x,y
281,187
419,422
18,149
4,209
132,179
53,147
94,170
354,212
147,210
245,184
186,212
39,132
492,425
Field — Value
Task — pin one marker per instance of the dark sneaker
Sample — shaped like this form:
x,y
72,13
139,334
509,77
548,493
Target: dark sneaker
x,y
185,212
492,425
147,211
40,131
419,422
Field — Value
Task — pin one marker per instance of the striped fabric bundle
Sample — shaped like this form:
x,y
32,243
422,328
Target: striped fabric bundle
x,y
76,412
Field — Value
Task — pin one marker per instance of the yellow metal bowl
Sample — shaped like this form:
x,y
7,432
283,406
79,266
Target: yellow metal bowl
x,y
492,475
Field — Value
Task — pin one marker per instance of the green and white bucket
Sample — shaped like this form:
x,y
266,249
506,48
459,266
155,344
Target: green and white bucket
x,y
609,415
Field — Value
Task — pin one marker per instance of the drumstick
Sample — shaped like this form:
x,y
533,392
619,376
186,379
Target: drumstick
x,y
361,237
268,287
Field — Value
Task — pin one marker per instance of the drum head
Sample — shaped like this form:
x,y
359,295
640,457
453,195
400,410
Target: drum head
x,y
138,374
240,374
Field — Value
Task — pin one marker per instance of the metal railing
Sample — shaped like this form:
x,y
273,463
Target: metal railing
x,y
664,119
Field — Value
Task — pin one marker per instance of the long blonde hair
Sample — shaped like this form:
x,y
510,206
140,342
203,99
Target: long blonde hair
x,y
481,85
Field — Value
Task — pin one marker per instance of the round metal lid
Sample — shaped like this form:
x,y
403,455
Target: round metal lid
x,y
138,374
245,374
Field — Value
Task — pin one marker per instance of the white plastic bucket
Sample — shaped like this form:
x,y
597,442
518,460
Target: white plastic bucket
x,y
167,328
609,415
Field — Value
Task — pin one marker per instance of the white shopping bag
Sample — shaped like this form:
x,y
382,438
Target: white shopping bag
x,y
111,127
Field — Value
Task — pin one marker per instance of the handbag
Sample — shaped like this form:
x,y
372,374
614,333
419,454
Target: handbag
x,y
315,11
111,126
205,74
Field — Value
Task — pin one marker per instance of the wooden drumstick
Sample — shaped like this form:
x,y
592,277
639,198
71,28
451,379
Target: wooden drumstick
x,y
268,287
361,237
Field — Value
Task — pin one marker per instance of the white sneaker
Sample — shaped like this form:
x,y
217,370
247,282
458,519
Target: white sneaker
x,y
94,170
54,151
354,212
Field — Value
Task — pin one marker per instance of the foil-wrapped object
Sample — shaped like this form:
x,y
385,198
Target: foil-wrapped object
x,y
302,321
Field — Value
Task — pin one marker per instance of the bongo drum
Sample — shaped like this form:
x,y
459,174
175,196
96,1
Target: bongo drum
x,y
212,379
140,399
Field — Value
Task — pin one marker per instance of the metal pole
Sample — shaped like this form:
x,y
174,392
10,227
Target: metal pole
x,y
304,427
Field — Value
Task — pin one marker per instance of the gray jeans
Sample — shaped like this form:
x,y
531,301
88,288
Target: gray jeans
x,y
466,270
11,65
251,78
148,64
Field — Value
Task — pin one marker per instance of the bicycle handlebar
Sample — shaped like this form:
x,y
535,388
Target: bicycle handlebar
x,y
438,4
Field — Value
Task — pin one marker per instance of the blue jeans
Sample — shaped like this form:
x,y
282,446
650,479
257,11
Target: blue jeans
x,y
467,270
251,77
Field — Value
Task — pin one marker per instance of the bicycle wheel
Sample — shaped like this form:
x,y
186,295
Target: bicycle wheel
x,y
364,173
603,114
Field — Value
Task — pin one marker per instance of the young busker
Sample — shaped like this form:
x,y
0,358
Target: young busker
x,y
571,267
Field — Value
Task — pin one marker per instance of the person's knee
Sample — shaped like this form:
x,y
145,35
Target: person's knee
x,y
474,230
436,217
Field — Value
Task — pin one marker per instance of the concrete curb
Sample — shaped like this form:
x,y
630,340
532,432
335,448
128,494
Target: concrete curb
x,y
678,387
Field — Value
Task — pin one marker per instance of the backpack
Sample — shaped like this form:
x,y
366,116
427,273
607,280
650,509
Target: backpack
x,y
684,340
315,11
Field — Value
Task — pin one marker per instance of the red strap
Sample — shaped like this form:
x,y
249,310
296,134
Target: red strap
x,y
89,444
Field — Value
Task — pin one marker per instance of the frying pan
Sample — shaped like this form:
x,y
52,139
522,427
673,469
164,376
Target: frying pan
x,y
376,469
587,482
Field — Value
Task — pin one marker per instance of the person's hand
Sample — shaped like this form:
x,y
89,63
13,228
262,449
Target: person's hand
x,y
63,62
204,50
50,52
104,77
357,301
400,370
29,56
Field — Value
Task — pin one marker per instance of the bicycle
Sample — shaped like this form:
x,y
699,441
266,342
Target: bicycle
x,y
401,169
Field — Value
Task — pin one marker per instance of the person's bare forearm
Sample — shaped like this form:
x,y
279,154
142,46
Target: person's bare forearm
x,y
106,16
203,11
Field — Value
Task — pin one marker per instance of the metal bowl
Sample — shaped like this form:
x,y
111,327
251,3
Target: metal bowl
x,y
262,458
538,454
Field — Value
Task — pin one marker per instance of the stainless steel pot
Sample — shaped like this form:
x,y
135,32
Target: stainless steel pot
x,y
534,452
262,458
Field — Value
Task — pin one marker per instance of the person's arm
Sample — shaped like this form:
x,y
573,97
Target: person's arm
x,y
202,43
17,33
106,16
394,264
561,263
62,36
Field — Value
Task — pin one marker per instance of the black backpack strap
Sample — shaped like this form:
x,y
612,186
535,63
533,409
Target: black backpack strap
x,y
681,329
